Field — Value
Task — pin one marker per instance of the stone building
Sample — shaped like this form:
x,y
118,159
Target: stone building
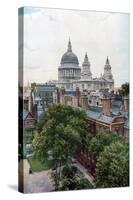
x,y
88,83
69,69
71,76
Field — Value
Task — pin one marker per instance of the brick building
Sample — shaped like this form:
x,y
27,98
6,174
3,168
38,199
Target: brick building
x,y
111,114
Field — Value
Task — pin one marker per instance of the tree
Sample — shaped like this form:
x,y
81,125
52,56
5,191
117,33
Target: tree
x,y
40,125
124,91
60,135
73,179
112,168
98,142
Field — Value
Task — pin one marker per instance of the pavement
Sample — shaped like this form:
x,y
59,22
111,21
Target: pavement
x,y
40,181
36,182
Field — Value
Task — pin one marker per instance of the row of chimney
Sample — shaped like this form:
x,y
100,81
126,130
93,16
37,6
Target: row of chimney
x,y
82,100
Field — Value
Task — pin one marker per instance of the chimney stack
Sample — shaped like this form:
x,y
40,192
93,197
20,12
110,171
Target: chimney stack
x,y
78,96
126,103
94,101
62,93
84,102
34,112
106,103
58,96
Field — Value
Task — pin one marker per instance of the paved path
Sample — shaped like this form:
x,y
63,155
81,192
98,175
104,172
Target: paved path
x,y
84,171
41,182
36,182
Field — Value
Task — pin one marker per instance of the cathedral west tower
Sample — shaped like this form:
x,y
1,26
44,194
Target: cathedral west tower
x,y
86,73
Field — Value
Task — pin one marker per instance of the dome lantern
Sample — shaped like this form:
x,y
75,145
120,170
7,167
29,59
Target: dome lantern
x,y
69,46
69,57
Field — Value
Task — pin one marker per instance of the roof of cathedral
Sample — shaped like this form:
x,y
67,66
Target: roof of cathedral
x,y
69,57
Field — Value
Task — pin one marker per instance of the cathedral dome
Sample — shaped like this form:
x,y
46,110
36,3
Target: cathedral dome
x,y
69,57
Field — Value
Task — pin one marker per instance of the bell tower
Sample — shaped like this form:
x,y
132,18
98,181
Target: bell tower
x,y
107,71
86,73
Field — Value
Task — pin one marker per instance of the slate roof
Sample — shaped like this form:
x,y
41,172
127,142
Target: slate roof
x,y
126,114
95,112
45,88
71,93
106,118
95,108
99,116
116,103
24,114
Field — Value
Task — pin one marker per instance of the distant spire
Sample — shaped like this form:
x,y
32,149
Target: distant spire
x,y
86,61
86,57
69,46
107,61
86,73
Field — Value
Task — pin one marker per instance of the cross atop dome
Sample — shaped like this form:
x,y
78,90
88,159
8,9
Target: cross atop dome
x,y
107,61
69,49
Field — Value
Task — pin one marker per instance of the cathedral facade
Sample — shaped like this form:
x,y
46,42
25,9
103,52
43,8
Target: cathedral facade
x,y
69,70
71,75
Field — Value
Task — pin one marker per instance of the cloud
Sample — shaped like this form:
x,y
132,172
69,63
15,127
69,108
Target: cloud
x,y
46,33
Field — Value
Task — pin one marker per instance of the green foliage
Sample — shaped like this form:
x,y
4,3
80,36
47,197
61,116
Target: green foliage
x,y
98,143
37,165
112,169
73,179
124,91
59,134
61,131
40,125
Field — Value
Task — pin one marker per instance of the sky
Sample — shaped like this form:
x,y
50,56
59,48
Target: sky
x,y
100,34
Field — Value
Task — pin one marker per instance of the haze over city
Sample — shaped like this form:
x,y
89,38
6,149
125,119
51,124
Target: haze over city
x,y
100,34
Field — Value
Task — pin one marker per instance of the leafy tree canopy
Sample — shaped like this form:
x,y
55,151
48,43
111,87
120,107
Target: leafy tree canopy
x,y
112,169
60,130
73,179
59,135
124,91
98,142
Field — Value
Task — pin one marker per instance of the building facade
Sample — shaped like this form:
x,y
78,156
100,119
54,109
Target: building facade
x,y
71,76
44,95
69,69
103,112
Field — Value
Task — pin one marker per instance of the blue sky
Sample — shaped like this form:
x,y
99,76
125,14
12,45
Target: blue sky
x,y
101,34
